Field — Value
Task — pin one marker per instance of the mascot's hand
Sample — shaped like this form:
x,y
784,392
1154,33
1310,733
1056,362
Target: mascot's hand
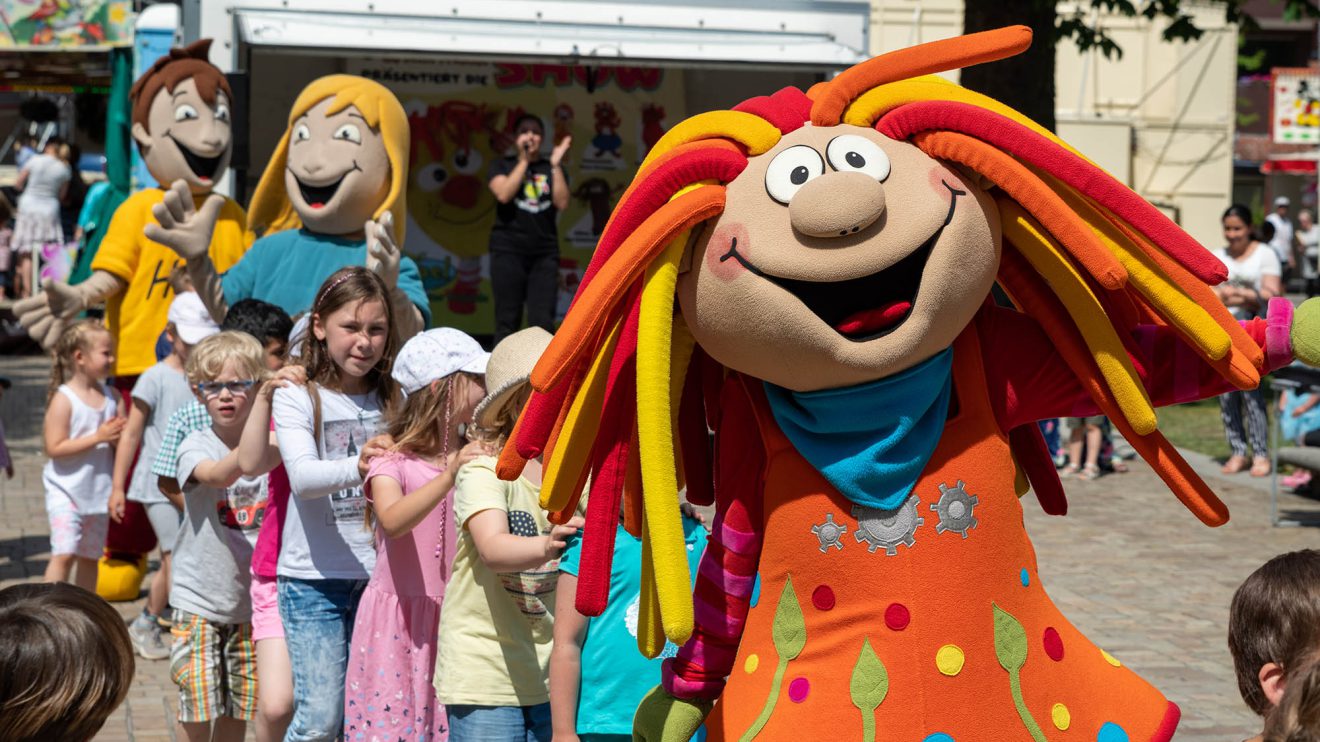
x,y
1305,334
182,227
662,718
382,251
45,314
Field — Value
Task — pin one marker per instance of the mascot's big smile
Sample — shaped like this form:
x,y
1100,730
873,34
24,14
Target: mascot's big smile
x,y
203,167
318,196
868,307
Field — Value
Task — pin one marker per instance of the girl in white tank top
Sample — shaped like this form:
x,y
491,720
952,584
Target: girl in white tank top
x,y
84,418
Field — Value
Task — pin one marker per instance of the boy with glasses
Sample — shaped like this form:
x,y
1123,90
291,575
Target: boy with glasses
x,y
213,659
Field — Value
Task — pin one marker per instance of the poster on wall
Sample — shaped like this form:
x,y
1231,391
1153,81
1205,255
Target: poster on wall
x,y
65,24
1296,109
462,115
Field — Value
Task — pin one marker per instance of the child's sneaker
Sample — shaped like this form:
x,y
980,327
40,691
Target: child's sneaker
x,y
146,638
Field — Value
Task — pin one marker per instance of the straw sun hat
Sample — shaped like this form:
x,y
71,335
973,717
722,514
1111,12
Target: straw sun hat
x,y
509,368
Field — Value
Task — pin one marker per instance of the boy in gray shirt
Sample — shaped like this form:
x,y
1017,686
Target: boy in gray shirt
x,y
213,658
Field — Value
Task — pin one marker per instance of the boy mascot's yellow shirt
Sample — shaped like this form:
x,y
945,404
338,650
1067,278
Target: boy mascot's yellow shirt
x,y
136,316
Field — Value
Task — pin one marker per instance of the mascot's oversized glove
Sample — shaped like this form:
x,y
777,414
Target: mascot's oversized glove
x,y
183,227
382,251
1305,333
45,314
662,718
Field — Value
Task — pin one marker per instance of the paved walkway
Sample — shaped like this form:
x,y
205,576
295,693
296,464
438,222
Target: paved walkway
x,y
1129,566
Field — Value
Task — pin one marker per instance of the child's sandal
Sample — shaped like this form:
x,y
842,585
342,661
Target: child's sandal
x,y
1089,472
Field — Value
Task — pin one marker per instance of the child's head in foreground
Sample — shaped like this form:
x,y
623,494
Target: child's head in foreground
x,y
66,663
224,371
1274,626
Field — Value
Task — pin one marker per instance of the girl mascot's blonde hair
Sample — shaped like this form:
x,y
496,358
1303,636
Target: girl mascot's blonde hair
x,y
833,254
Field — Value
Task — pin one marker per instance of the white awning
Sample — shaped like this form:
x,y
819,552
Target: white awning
x,y
580,42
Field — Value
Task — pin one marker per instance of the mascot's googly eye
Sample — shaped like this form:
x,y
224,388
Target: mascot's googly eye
x,y
301,133
185,112
790,170
853,153
431,177
222,112
349,133
467,162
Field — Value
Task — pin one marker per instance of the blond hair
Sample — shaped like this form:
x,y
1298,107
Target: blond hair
x,y
271,211
208,357
66,662
77,336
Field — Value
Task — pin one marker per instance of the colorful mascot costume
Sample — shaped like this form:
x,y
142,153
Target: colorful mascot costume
x,y
329,198
832,254
181,123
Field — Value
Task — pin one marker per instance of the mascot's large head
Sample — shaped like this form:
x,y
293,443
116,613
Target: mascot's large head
x,y
342,161
829,238
181,118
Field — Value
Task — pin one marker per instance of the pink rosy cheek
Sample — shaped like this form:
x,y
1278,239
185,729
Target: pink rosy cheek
x,y
941,175
719,261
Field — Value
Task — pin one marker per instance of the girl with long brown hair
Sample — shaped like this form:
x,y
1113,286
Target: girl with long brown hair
x,y
325,431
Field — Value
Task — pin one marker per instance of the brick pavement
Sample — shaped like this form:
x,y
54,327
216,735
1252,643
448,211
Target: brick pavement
x,y
1129,566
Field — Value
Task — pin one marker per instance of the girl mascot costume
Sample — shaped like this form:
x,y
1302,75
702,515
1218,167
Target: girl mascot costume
x,y
330,197
832,254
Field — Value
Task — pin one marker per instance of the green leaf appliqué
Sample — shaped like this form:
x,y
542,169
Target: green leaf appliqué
x,y
790,627
868,687
1010,640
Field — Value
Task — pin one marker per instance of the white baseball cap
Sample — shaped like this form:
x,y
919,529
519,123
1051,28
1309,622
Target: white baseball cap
x,y
1282,201
435,354
299,334
190,319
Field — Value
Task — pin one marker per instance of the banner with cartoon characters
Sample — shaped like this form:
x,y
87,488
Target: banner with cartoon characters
x,y
66,24
462,117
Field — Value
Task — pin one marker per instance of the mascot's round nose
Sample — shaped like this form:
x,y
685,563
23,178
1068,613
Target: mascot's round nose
x,y
837,204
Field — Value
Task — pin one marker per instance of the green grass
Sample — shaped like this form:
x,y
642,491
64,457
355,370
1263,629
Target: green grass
x,y
1195,425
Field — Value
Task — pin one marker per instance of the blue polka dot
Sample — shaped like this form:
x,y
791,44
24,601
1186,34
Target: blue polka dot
x,y
1026,578
756,590
938,737
1111,732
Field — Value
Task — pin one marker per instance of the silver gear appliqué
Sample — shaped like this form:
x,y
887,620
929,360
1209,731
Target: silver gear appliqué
x,y
955,509
829,533
888,529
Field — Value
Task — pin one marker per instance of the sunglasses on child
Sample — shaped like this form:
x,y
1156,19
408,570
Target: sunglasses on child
x,y
213,388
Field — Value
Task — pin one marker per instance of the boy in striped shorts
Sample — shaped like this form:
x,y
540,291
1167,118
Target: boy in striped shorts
x,y
213,658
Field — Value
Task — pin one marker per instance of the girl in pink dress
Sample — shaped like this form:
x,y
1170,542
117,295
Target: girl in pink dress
x,y
388,693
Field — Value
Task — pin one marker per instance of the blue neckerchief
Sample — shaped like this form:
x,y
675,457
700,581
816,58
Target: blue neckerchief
x,y
871,441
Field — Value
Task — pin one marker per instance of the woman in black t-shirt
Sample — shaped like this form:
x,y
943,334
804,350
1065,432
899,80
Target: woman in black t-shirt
x,y
524,242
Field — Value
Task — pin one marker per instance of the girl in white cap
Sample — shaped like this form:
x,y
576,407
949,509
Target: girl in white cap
x,y
497,625
392,656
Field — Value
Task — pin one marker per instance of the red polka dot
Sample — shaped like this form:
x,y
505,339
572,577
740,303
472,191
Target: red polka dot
x,y
1053,644
823,598
798,690
897,616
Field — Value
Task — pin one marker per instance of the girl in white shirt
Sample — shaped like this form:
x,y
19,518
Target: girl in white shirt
x,y
83,421
1253,278
325,432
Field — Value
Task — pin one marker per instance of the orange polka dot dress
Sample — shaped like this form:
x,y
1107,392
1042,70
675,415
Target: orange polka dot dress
x,y
924,624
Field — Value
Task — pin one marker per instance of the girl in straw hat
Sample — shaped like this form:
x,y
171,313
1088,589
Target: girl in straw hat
x,y
496,628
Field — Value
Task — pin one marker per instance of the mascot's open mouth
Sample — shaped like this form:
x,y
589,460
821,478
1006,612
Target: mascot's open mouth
x,y
203,167
868,307
318,196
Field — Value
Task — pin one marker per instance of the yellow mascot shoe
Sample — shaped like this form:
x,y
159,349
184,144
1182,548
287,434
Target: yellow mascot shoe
x,y
120,579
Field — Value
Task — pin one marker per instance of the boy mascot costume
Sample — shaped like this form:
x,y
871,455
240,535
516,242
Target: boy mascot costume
x,y
329,198
181,123
832,254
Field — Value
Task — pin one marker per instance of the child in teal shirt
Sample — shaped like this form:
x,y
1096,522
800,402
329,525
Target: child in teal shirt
x,y
597,674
